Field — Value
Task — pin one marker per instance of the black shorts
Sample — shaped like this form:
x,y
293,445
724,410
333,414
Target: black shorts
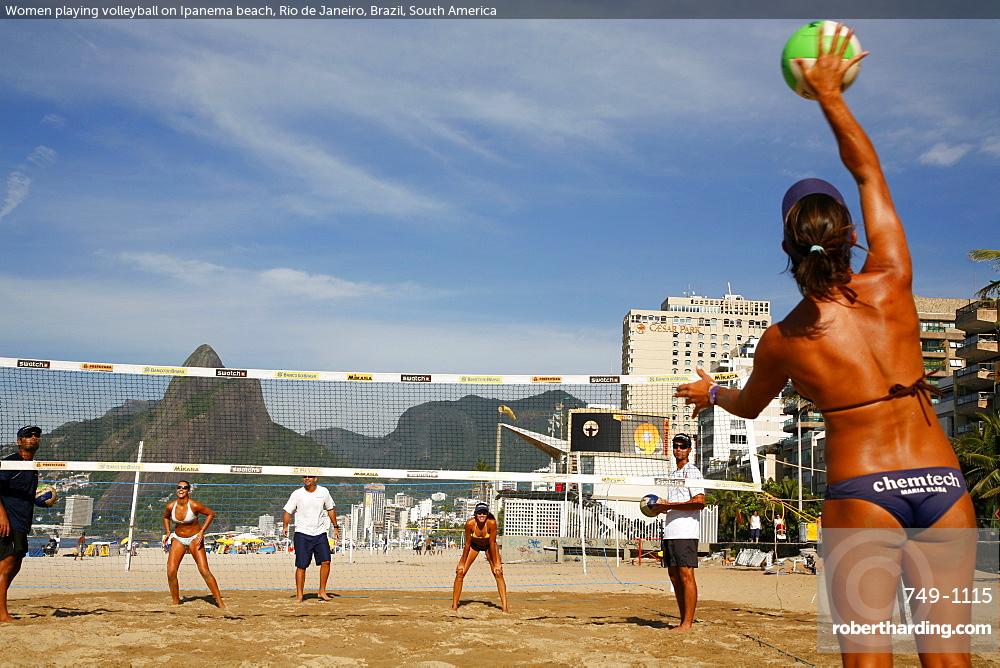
x,y
682,552
16,544
308,547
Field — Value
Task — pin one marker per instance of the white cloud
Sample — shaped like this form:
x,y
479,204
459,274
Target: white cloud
x,y
54,120
316,286
18,186
191,271
42,156
19,183
945,155
135,323
991,146
269,285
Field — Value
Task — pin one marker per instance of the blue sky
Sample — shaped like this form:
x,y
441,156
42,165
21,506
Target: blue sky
x,y
454,196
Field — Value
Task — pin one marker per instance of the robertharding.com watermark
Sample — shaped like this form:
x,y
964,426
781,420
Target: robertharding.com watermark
x,y
920,629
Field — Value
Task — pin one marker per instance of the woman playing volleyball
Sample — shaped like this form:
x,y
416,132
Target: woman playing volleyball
x,y
188,535
480,536
852,345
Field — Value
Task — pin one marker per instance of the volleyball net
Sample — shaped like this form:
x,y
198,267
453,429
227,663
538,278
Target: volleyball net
x,y
560,459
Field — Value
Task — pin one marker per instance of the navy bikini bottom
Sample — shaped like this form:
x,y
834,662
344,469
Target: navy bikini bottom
x,y
917,498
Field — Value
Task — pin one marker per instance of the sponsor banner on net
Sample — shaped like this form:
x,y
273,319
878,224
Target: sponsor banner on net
x,y
360,376
546,379
119,466
612,479
50,465
246,469
231,373
165,370
609,380
670,482
187,468
366,474
305,470
92,366
481,380
672,378
415,378
297,375
421,474
34,364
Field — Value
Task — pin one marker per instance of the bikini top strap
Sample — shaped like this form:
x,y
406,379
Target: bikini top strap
x,y
918,388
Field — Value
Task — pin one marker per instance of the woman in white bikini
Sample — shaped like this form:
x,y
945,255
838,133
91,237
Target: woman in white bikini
x,y
188,535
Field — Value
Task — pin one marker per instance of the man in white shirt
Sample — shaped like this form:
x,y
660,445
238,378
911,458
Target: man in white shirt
x,y
314,512
682,507
755,527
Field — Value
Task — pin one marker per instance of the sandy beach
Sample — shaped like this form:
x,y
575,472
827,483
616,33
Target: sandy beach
x,y
615,615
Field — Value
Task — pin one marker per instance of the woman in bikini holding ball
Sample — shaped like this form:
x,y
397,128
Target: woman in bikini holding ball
x,y
852,344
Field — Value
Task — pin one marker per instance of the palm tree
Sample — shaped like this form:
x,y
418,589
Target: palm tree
x,y
978,453
992,289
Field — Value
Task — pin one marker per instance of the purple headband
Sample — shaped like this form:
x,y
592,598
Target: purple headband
x,y
807,187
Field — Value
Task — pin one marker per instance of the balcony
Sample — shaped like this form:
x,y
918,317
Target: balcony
x,y
979,316
977,376
973,403
979,347
810,420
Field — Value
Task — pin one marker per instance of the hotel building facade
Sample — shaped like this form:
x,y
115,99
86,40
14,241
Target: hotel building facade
x,y
685,333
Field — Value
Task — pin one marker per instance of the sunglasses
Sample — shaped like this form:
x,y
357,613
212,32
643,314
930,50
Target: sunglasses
x,y
183,486
681,446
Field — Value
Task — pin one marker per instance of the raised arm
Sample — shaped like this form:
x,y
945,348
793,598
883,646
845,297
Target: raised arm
x,y
887,250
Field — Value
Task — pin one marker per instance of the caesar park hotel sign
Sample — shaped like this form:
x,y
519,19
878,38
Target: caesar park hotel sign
x,y
664,328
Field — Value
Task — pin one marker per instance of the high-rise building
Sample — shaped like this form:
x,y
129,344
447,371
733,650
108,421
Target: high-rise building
x,y
79,513
265,525
973,389
374,504
939,336
684,334
725,437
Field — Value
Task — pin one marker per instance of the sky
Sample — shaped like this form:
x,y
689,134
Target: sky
x,y
447,196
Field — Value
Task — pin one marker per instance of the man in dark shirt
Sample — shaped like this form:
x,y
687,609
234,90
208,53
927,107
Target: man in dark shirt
x,y
17,504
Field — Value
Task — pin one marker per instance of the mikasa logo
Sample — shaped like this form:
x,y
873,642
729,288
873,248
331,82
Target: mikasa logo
x,y
915,484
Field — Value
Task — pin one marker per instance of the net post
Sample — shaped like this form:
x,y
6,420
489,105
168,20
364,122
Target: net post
x,y
583,532
618,561
131,517
499,436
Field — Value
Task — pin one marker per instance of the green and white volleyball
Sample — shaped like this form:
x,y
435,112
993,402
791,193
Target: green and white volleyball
x,y
803,44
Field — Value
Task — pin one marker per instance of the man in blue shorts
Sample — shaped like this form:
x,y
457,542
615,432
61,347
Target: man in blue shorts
x,y
314,512
17,506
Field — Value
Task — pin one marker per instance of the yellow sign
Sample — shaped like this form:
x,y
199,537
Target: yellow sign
x,y
546,379
88,366
646,438
812,532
